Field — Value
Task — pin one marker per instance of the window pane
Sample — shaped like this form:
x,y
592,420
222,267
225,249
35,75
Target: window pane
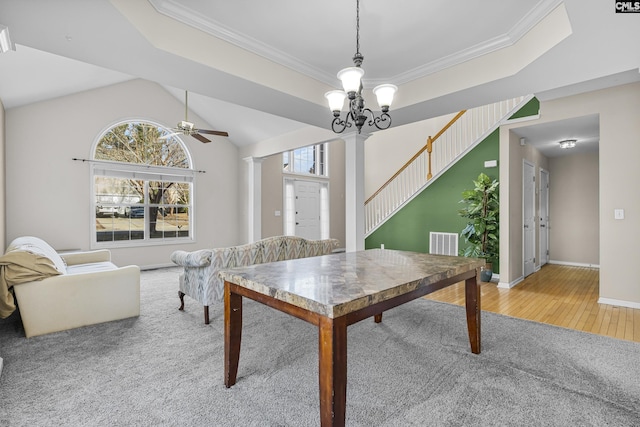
x,y
169,213
307,160
138,142
126,224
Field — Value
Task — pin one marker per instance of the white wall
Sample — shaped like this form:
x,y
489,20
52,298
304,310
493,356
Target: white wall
x,y
48,194
3,228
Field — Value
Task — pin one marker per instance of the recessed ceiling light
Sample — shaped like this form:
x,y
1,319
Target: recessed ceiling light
x,y
568,143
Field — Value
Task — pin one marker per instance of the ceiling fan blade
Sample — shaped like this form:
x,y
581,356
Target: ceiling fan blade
x,y
200,138
212,132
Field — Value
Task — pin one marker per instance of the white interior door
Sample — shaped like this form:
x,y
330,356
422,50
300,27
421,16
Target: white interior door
x,y
544,217
528,220
307,209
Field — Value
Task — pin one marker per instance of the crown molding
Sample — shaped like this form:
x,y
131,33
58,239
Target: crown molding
x,y
522,27
179,12
174,10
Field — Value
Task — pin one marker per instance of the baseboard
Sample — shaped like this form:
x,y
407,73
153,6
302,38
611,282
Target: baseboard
x,y
574,264
619,303
504,285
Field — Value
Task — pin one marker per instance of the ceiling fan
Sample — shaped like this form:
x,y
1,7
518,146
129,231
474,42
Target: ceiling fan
x,y
185,127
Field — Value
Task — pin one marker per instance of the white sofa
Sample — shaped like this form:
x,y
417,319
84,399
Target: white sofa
x,y
56,292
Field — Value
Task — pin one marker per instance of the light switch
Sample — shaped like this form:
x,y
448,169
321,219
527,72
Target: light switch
x,y
278,213
618,213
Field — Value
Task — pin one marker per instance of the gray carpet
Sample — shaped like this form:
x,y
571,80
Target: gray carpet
x,y
414,369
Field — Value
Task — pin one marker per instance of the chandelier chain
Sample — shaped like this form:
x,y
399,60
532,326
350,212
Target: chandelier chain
x,y
357,26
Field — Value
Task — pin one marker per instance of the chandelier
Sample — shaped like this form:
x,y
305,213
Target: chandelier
x,y
352,83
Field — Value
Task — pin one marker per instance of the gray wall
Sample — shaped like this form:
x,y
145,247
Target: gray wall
x,y
574,209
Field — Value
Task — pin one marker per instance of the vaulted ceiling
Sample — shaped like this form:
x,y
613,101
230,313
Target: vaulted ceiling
x,y
260,69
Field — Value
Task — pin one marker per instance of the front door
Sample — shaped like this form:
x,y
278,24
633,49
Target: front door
x,y
307,206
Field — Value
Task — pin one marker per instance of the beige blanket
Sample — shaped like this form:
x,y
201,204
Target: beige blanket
x,y
19,267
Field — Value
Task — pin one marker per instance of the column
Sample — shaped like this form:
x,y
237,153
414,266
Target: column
x,y
354,191
254,202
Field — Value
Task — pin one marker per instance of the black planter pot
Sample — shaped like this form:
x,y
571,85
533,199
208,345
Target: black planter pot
x,y
486,273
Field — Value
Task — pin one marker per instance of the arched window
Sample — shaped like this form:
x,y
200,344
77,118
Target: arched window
x,y
142,186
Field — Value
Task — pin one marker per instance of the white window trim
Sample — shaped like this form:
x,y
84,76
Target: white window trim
x,y
147,173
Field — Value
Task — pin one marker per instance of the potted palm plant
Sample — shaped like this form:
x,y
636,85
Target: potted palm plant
x,y
482,229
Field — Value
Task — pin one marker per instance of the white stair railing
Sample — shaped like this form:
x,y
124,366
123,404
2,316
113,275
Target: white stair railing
x,y
470,128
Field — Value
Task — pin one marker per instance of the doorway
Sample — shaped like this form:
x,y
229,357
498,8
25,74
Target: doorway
x,y
544,217
528,217
306,208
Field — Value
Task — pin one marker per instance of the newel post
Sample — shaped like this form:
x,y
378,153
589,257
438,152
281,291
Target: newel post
x,y
429,149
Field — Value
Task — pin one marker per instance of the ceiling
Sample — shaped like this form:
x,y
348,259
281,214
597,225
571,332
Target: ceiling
x,y
259,69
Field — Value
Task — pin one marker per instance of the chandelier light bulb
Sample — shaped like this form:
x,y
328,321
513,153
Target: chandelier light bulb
x,y
351,78
336,100
384,94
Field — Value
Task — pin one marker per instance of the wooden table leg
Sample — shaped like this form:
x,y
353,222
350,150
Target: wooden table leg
x,y
472,302
232,334
333,371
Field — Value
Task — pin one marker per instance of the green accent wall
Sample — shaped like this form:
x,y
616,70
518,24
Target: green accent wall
x,y
436,208
531,108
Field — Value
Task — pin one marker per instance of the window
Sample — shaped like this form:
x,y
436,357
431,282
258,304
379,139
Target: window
x,y
310,160
142,186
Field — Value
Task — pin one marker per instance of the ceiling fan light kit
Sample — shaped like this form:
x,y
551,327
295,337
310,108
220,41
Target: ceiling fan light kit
x,y
351,78
185,127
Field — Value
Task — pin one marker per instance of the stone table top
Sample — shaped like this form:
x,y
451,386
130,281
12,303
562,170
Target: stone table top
x,y
337,284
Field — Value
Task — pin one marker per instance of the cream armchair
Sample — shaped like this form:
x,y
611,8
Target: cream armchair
x,y
59,292
200,278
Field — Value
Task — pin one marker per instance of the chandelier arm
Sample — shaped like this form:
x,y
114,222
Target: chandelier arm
x,y
383,122
338,125
371,118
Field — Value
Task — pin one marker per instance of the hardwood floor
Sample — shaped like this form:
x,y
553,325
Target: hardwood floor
x,y
557,295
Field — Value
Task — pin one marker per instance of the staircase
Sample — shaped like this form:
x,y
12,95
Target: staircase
x,y
466,130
